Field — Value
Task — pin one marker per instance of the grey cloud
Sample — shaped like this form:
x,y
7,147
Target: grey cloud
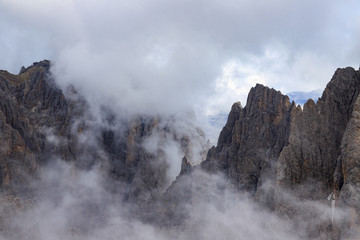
x,y
73,204
165,56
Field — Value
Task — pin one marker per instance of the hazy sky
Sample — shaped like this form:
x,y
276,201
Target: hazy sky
x,y
166,56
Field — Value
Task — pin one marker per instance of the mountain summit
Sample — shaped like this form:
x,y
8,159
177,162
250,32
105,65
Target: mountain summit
x,y
287,159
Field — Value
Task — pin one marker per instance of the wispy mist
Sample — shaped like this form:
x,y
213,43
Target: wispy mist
x,y
165,57
175,62
76,204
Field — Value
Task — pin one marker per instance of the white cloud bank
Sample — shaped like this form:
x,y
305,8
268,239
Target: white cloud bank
x,y
170,56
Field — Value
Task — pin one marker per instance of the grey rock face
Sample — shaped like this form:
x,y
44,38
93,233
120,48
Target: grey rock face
x,y
30,105
282,154
271,150
39,124
144,172
251,141
307,166
349,169
316,134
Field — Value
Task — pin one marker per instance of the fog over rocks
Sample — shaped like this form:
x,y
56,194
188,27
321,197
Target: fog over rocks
x,y
72,169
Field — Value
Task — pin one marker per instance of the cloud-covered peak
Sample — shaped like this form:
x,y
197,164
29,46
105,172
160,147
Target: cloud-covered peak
x,y
167,57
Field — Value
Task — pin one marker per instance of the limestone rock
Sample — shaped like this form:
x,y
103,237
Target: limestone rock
x,y
30,106
349,164
286,158
283,155
307,166
40,124
251,141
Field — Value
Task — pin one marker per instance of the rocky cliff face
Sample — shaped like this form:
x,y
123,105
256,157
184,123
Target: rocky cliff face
x,y
308,164
251,141
282,154
347,177
31,106
317,132
286,158
39,124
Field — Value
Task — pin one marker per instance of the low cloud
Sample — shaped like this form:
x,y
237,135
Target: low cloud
x,y
74,204
163,57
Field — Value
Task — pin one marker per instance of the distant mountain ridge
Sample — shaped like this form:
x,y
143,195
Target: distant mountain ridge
x,y
302,97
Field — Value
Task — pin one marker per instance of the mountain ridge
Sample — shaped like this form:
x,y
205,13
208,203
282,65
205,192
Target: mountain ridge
x,y
271,151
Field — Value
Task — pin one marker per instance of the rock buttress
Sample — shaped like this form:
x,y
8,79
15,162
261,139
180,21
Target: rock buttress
x,y
251,141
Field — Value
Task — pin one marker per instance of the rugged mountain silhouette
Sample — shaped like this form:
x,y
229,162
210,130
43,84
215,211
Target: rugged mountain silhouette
x,y
271,150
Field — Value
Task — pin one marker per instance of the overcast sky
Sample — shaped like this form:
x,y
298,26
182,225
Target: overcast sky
x,y
167,56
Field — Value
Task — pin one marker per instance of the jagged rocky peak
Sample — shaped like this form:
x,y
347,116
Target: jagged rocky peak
x,y
40,124
245,155
42,64
262,98
270,150
317,132
225,135
252,139
30,105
